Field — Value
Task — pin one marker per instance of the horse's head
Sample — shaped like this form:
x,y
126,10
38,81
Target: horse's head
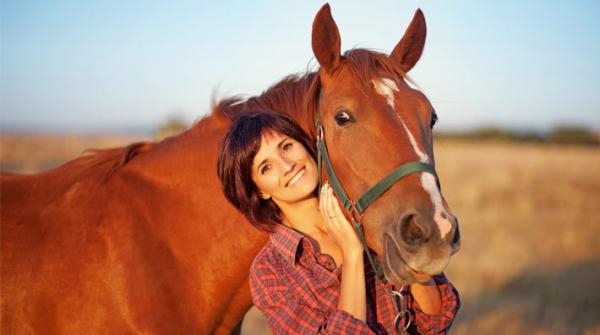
x,y
373,123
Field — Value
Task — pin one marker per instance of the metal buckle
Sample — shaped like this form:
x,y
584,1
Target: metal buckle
x,y
354,213
402,311
320,132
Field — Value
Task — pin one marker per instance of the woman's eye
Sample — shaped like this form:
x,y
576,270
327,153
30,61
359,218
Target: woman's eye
x,y
265,168
287,146
343,117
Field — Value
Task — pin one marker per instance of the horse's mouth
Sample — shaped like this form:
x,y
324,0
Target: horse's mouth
x,y
398,270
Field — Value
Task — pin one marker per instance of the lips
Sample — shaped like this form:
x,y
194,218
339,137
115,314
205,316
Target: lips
x,y
396,266
296,177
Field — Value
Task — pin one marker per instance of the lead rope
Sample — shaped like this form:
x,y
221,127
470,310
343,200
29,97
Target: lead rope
x,y
397,297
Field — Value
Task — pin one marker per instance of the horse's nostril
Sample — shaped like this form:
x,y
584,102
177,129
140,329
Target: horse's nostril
x,y
456,238
412,232
455,245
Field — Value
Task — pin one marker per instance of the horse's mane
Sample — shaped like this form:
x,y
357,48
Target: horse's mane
x,y
296,95
113,158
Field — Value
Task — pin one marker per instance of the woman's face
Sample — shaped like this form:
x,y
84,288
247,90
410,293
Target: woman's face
x,y
283,170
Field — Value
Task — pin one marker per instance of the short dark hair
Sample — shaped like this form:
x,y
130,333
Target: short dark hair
x,y
236,155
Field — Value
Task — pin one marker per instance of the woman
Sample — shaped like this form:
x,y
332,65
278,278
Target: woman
x,y
310,278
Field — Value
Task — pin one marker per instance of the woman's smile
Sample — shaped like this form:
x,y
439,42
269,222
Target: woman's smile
x,y
296,177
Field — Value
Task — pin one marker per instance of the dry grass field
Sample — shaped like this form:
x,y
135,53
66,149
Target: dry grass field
x,y
530,257
31,153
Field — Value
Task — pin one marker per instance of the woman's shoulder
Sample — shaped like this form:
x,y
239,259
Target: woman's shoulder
x,y
280,250
267,269
273,258
266,258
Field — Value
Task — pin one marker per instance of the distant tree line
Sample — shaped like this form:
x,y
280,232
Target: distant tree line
x,y
559,135
175,124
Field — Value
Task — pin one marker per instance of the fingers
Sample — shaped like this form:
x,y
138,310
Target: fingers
x,y
335,205
331,209
328,204
331,213
338,227
323,201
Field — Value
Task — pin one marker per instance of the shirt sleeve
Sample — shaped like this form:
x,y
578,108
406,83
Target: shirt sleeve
x,y
288,313
438,323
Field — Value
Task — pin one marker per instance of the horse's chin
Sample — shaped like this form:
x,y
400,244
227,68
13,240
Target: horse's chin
x,y
405,268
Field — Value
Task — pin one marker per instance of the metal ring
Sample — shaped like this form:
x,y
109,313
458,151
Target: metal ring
x,y
398,319
319,132
395,293
354,212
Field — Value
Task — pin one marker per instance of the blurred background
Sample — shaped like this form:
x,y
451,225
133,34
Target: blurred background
x,y
515,85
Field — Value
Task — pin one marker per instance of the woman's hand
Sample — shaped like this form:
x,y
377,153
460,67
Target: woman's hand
x,y
338,227
353,296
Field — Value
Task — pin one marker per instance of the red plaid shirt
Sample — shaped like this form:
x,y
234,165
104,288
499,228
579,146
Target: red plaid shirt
x,y
297,288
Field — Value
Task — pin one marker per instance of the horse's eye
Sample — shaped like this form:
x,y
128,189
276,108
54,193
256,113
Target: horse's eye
x,y
342,117
434,119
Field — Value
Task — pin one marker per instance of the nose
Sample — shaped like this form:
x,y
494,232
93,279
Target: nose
x,y
417,229
455,244
412,231
287,165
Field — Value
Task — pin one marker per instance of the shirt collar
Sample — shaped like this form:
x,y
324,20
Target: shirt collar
x,y
287,241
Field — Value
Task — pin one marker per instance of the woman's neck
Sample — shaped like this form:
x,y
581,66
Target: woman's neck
x,y
304,216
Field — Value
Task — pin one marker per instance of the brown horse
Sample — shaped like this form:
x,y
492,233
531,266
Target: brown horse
x,y
140,239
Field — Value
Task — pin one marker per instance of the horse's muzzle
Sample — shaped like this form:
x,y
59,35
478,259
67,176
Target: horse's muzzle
x,y
414,244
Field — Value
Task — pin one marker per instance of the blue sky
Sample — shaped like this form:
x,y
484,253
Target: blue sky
x,y
105,65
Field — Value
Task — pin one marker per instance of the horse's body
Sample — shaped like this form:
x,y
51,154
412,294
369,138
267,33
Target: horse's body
x,y
153,249
140,239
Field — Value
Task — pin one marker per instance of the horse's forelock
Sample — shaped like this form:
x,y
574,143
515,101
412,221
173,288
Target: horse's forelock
x,y
367,64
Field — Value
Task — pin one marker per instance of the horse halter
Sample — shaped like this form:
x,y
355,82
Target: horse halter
x,y
357,208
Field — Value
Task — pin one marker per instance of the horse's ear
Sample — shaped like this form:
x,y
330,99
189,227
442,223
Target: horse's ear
x,y
408,51
326,40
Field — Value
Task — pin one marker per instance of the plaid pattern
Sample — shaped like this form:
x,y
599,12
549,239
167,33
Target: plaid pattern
x,y
297,288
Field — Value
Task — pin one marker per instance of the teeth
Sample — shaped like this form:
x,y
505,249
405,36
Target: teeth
x,y
296,178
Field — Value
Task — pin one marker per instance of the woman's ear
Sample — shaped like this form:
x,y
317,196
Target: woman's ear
x,y
264,195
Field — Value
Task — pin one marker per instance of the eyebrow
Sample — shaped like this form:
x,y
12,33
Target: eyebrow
x,y
279,145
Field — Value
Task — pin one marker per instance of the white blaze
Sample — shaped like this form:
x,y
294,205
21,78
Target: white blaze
x,y
442,220
386,87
